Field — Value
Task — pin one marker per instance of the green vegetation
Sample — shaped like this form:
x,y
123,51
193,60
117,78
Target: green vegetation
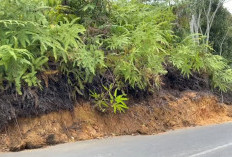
x,y
123,45
107,99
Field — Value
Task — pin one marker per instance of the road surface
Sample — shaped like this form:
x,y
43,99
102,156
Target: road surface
x,y
209,141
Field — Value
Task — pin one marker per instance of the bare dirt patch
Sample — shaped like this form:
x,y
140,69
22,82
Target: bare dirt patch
x,y
157,114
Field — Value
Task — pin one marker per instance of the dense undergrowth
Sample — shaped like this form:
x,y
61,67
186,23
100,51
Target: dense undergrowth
x,y
104,49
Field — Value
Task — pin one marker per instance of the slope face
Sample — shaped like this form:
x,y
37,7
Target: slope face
x,y
159,113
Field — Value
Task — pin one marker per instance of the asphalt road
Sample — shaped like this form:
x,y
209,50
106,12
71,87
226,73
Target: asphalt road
x,y
209,141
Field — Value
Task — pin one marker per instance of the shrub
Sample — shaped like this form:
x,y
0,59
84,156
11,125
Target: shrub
x,y
190,57
94,43
139,42
29,40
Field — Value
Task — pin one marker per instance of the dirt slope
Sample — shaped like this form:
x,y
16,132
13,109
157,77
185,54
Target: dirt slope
x,y
168,110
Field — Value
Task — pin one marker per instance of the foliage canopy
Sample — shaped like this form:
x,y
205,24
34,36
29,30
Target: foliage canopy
x,y
125,43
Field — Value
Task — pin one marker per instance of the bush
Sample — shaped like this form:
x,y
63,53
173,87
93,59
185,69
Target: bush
x,y
97,43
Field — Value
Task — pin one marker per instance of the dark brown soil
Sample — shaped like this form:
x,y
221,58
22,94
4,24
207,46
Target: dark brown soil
x,y
159,113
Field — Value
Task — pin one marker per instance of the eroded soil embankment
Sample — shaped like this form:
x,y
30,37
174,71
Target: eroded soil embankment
x,y
158,114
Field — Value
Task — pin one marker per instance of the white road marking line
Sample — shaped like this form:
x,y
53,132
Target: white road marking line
x,y
211,150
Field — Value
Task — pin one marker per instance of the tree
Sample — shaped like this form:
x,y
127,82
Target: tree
x,y
221,33
203,9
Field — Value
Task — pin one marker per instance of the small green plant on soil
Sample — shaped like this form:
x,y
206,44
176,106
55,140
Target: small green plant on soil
x,y
106,100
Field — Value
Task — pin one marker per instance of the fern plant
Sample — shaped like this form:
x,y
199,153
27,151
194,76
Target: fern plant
x,y
142,42
107,99
29,38
17,64
135,44
140,37
189,57
219,71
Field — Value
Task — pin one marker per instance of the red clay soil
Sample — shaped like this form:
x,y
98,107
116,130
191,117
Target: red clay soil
x,y
156,114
